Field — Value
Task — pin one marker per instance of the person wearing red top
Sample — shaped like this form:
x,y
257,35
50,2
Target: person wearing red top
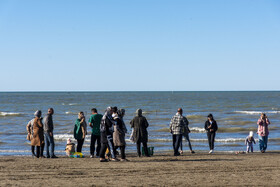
x,y
263,123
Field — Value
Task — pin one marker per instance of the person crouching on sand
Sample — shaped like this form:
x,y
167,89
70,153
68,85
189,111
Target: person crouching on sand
x,y
249,142
70,148
80,131
211,127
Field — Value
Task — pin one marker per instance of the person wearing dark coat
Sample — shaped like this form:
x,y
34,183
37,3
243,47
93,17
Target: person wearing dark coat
x,y
106,134
140,124
211,127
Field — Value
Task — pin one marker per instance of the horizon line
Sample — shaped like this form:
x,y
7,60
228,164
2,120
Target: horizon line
x,y
29,91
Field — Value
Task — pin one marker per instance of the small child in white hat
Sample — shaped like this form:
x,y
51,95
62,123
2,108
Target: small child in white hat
x,y
70,148
249,141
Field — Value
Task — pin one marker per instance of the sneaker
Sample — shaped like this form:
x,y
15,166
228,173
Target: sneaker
x,y
192,152
115,160
54,156
211,151
91,156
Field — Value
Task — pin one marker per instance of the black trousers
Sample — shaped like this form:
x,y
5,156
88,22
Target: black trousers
x,y
145,148
103,149
80,144
93,139
39,150
211,139
122,148
177,139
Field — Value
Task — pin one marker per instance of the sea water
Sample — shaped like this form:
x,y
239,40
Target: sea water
x,y
236,114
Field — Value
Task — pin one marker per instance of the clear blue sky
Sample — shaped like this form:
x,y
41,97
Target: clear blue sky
x,y
145,45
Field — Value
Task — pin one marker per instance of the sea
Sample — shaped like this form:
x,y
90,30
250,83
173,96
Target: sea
x,y
236,114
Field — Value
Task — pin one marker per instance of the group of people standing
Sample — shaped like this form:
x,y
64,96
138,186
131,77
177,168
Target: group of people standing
x,y
108,133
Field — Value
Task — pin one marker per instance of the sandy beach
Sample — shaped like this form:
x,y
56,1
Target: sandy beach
x,y
198,169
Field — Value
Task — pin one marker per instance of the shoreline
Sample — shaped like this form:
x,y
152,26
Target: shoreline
x,y
199,169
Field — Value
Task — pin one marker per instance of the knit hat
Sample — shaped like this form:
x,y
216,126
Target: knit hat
x,y
38,113
251,133
68,141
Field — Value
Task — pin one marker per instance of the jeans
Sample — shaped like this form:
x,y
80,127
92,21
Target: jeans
x,y
263,142
49,142
250,147
93,139
177,139
188,140
211,139
80,145
111,146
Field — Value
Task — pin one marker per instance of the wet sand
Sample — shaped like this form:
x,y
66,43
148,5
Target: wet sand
x,y
199,169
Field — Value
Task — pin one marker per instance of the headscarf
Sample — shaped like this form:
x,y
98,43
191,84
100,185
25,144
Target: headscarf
x,y
38,113
121,113
139,112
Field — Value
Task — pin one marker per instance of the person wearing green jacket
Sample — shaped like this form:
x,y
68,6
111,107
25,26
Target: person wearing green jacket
x,y
80,131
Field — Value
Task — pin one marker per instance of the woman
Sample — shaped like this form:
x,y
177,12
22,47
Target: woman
x,y
263,123
211,127
119,133
140,134
80,131
36,132
106,133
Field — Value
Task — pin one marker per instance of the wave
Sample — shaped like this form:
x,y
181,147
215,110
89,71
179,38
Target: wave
x,y
257,112
5,114
196,117
70,113
70,104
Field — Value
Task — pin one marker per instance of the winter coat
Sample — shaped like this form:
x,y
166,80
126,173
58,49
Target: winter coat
x,y
79,130
38,132
214,126
140,125
119,134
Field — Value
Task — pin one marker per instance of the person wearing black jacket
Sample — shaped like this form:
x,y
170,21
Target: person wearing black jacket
x,y
211,127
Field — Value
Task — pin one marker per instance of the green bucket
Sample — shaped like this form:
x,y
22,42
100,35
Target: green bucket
x,y
150,151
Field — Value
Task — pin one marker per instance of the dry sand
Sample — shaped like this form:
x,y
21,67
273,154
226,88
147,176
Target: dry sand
x,y
200,169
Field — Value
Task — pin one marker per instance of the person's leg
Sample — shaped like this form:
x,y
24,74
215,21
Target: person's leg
x,y
261,143
42,150
98,145
33,150
145,146
122,148
111,146
177,144
102,151
252,149
47,144
212,140
92,144
78,145
174,142
38,151
265,139
82,142
138,148
248,148
52,146
209,139
181,146
188,139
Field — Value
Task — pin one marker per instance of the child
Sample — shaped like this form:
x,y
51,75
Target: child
x,y
70,148
249,141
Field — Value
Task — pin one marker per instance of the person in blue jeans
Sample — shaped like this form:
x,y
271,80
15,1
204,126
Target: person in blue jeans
x,y
48,131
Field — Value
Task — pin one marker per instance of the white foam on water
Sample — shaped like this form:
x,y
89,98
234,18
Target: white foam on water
x,y
257,112
68,112
197,129
10,114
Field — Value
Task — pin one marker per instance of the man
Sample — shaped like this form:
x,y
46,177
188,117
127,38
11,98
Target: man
x,y
94,123
48,130
177,125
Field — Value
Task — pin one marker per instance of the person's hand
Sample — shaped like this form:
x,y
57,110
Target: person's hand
x,y
51,134
211,130
91,125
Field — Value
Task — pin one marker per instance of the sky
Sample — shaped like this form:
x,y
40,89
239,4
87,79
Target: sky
x,y
139,45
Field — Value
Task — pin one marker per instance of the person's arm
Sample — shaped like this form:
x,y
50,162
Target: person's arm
x,y
246,140
90,122
132,123
205,126
254,141
267,121
83,131
260,122
146,123
28,127
215,127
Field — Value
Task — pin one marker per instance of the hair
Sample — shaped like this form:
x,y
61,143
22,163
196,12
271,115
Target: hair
x,y
94,110
210,116
115,109
180,110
